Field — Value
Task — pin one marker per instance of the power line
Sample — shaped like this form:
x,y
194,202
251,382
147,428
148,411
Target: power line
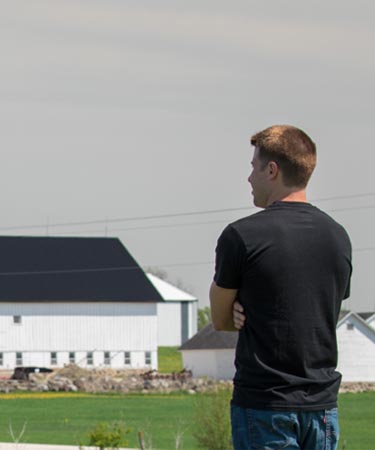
x,y
186,224
121,268
147,227
126,219
69,271
100,269
167,215
344,197
364,249
352,208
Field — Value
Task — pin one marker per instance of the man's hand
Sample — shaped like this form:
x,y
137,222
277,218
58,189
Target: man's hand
x,y
238,315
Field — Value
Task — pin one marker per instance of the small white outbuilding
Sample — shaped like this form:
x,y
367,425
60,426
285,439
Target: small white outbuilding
x,y
211,353
356,345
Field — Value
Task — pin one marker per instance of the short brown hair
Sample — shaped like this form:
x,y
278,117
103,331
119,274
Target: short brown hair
x,y
292,150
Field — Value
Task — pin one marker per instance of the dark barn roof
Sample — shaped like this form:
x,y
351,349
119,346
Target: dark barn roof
x,y
209,339
71,269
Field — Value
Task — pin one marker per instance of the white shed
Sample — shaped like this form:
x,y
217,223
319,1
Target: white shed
x,y
356,344
75,300
177,313
210,353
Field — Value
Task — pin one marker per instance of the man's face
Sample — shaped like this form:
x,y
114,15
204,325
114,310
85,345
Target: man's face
x,y
258,180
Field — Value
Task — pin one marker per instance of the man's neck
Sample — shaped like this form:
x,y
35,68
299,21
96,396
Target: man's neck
x,y
298,196
291,196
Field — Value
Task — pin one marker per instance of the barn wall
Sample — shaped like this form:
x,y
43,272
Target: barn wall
x,y
79,328
169,323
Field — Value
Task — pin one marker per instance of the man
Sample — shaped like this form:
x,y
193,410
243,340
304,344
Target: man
x,y
280,277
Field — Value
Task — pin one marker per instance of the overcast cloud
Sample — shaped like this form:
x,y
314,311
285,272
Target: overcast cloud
x,y
119,109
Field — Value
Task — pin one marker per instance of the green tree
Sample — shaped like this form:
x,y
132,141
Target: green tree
x,y
204,317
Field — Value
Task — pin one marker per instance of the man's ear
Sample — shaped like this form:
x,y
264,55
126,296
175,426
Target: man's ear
x,y
273,169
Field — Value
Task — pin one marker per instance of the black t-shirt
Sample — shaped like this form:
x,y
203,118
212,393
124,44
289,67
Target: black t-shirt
x,y
291,264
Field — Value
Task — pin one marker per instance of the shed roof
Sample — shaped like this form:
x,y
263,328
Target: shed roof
x,y
356,318
71,269
208,338
366,315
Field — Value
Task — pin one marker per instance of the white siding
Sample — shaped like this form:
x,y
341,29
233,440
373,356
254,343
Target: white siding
x,y
79,328
193,319
217,364
169,323
356,346
171,330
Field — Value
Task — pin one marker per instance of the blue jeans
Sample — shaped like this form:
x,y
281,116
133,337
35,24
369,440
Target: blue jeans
x,y
255,429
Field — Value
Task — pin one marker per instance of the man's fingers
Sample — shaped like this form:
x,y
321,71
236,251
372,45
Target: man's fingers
x,y
238,316
238,307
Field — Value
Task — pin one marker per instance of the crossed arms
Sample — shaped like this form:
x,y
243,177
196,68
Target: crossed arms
x,y
226,312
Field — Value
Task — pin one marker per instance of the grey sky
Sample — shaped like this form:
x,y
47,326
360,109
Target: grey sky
x,y
118,109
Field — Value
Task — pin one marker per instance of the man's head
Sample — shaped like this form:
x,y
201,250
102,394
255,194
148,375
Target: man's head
x,y
284,159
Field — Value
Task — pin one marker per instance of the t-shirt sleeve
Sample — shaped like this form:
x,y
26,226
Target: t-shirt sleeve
x,y
349,260
230,255
347,291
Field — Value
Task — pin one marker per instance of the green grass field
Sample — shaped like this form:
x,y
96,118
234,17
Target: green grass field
x,y
66,418
357,421
169,360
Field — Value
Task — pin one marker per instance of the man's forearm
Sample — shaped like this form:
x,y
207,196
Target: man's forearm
x,y
221,301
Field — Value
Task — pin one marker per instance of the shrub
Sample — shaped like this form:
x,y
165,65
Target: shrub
x,y
109,435
211,419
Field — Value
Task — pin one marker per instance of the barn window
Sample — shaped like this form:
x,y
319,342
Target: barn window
x,y
19,359
72,357
17,319
90,358
107,358
127,359
1,358
148,358
53,358
349,326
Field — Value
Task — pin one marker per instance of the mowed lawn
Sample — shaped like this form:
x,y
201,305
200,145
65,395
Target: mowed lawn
x,y
66,418
357,421
169,360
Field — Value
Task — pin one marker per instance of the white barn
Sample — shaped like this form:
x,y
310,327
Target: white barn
x,y
90,334
77,300
211,353
177,314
